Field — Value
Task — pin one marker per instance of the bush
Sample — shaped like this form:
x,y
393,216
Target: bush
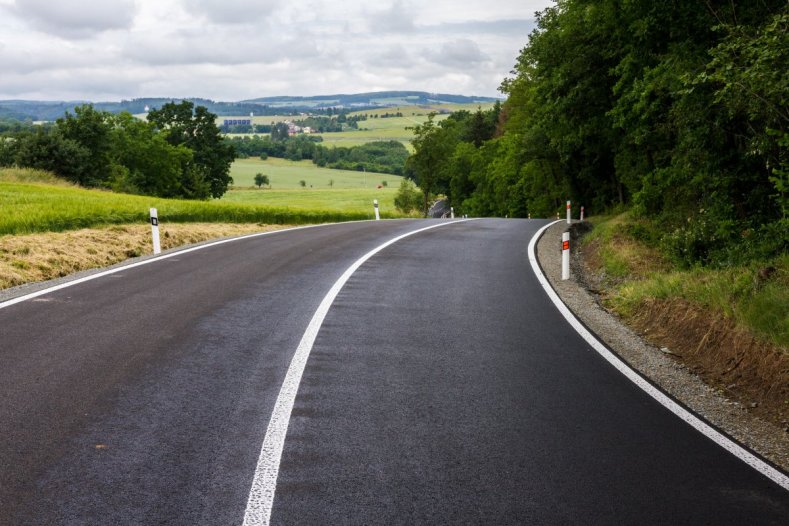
x,y
408,198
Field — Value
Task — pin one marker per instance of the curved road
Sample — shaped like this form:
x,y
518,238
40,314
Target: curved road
x,y
443,387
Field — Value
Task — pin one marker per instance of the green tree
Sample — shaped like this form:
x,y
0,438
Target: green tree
x,y
432,147
144,161
261,179
49,150
91,129
208,172
408,197
303,183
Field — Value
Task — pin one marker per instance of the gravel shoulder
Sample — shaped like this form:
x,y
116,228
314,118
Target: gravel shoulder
x,y
731,417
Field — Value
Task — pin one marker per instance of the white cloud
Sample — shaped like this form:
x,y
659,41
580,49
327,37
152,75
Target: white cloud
x,y
233,11
240,49
398,18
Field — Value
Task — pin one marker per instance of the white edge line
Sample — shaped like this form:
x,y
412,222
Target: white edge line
x,y
154,259
264,482
662,398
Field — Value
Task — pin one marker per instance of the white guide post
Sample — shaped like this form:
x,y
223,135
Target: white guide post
x,y
157,247
377,214
569,213
582,214
452,212
566,255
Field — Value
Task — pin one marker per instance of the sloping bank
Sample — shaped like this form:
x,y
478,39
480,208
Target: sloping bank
x,y
684,350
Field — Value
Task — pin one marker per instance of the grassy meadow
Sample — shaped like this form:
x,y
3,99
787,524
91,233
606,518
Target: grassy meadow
x,y
33,201
350,192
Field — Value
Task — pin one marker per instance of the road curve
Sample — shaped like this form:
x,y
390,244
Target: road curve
x,y
443,387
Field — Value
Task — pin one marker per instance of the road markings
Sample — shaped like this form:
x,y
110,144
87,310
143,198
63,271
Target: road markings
x,y
662,398
264,483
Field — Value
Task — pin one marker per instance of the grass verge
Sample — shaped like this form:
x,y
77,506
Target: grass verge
x,y
40,257
730,325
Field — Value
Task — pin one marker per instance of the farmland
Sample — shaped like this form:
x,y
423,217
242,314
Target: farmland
x,y
377,129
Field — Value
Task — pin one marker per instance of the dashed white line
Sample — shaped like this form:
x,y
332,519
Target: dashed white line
x,y
264,483
661,397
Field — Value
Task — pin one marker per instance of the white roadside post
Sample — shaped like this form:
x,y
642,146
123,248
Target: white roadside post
x,y
452,212
569,213
566,255
582,214
377,213
157,248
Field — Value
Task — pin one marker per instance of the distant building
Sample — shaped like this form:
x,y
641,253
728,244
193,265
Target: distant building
x,y
238,122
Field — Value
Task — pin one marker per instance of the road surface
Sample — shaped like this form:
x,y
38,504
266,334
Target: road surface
x,y
443,387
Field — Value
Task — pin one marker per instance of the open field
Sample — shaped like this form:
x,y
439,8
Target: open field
x,y
351,191
40,205
286,174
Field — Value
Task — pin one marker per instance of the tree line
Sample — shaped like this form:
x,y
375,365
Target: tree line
x,y
178,152
377,156
676,110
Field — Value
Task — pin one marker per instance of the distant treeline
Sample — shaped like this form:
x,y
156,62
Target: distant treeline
x,y
179,152
331,122
379,156
677,110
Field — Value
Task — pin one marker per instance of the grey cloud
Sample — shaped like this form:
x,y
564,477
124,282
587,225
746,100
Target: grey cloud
x,y
218,47
233,11
394,57
458,53
76,18
398,18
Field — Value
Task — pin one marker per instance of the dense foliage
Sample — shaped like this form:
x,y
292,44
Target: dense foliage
x,y
179,153
677,109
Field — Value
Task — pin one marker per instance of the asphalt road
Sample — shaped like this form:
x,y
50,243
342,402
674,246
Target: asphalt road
x,y
443,387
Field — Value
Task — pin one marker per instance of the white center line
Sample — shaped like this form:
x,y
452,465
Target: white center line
x,y
264,483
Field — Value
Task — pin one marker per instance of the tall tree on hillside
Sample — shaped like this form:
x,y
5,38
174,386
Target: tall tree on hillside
x,y
431,152
208,173
91,129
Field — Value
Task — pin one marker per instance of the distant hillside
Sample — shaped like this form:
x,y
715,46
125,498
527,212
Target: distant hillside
x,y
374,99
51,110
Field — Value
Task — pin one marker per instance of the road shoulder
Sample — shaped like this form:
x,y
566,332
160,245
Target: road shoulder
x,y
764,438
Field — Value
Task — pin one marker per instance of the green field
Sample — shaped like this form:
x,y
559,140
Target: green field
x,y
41,203
286,174
351,191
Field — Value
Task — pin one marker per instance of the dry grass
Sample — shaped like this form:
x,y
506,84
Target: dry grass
x,y
746,368
39,257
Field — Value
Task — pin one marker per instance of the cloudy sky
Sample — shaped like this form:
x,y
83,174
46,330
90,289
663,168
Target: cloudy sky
x,y
238,49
